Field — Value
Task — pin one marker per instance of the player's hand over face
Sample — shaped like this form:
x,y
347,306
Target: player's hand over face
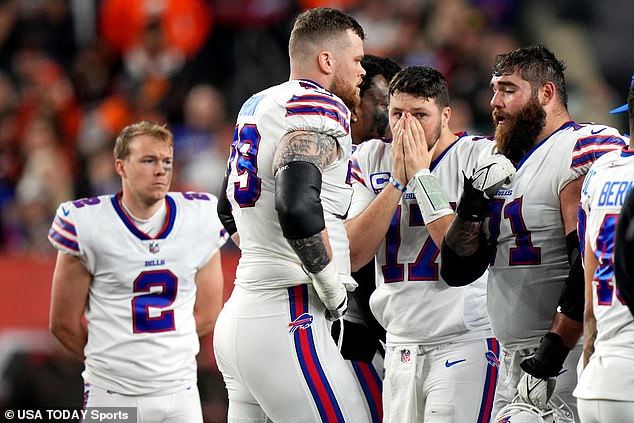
x,y
398,165
417,154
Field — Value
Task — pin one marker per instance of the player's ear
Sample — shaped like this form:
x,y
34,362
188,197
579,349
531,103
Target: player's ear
x,y
446,116
119,167
547,93
325,60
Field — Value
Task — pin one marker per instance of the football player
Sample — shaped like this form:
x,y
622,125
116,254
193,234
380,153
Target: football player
x,y
441,359
287,193
526,229
605,392
143,267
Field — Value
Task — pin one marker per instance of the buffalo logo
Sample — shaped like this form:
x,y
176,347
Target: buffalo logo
x,y
492,359
302,322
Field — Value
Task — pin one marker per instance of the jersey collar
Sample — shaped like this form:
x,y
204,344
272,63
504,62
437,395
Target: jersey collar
x,y
170,205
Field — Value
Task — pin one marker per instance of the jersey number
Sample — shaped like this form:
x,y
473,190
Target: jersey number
x,y
244,156
604,275
424,268
524,253
142,322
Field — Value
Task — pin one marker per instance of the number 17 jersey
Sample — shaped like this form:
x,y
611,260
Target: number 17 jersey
x,y
411,300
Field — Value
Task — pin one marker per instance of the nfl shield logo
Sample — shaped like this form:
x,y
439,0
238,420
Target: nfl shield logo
x,y
405,356
154,247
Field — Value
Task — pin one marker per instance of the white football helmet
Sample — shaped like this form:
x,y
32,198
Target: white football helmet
x,y
520,412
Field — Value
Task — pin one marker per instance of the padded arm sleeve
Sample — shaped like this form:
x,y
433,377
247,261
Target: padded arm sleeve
x,y
297,201
571,300
460,271
224,209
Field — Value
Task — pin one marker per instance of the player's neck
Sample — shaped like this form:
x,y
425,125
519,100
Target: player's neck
x,y
317,77
554,121
447,138
138,209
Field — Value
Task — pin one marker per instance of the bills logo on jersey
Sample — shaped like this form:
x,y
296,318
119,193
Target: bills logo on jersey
x,y
154,247
406,356
492,358
303,321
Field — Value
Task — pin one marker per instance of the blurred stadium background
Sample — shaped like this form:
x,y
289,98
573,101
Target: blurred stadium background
x,y
74,72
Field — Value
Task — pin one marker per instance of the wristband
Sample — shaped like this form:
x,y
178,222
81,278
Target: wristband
x,y
429,195
397,185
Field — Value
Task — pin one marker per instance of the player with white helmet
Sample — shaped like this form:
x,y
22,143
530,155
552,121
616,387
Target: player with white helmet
x,y
556,411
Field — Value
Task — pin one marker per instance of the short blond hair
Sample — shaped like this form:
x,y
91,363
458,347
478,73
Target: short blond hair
x,y
122,143
314,28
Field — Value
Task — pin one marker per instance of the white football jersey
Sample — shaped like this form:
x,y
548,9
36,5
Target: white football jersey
x,y
267,260
608,374
141,331
411,301
526,229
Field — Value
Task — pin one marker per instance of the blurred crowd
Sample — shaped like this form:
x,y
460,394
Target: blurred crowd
x,y
74,72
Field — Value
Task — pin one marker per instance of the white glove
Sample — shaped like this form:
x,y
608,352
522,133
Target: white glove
x,y
535,391
492,172
331,289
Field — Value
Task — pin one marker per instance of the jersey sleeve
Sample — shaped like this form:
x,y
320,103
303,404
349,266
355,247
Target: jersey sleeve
x,y
594,141
314,109
362,192
63,233
584,210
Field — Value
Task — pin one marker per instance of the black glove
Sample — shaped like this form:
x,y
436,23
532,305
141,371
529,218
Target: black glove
x,y
538,383
548,359
473,204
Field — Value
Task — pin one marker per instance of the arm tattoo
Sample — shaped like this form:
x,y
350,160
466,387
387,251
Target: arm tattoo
x,y
314,147
312,252
463,236
319,149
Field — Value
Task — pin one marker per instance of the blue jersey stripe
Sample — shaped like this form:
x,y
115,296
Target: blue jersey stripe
x,y
374,404
318,98
60,239
490,382
321,111
308,359
66,225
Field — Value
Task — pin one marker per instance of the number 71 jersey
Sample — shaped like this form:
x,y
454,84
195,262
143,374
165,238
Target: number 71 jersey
x,y
141,331
525,228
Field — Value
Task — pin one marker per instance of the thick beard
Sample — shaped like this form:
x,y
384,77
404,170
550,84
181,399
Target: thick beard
x,y
348,93
519,133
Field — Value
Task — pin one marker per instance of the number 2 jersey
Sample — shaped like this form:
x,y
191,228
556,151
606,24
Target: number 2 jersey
x,y
526,231
141,331
608,374
267,260
411,301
